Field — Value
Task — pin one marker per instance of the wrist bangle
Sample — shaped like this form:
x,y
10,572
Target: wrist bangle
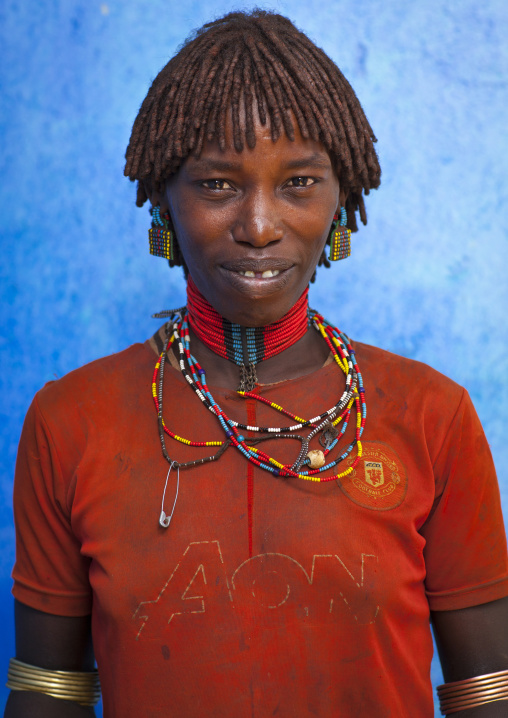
x,y
81,687
471,692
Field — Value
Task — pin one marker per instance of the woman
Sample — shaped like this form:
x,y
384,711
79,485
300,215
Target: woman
x,y
216,507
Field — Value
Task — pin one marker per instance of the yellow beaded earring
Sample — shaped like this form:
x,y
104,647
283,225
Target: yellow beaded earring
x,y
340,238
160,236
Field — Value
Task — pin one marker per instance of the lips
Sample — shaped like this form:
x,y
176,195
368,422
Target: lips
x,y
250,275
258,266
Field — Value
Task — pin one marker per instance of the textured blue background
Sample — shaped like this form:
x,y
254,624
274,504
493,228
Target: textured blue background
x,y
427,276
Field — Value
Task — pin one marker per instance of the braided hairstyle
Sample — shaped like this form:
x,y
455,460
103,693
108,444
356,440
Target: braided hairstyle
x,y
256,58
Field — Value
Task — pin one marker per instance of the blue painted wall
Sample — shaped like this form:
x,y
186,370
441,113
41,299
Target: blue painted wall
x,y
428,275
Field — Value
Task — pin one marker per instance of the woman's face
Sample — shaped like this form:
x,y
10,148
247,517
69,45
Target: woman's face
x,y
251,225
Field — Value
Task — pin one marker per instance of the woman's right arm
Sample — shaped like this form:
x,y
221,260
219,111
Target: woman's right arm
x,y
56,643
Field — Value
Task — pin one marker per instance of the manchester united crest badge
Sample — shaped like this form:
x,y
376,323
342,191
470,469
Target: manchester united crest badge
x,y
379,480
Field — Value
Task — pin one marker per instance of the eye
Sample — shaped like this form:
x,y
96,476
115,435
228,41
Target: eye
x,y
301,181
216,184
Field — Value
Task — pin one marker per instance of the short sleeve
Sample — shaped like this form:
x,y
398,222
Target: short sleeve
x,y
50,573
465,552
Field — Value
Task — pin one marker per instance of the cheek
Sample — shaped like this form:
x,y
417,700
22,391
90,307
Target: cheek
x,y
189,233
197,232
315,238
314,223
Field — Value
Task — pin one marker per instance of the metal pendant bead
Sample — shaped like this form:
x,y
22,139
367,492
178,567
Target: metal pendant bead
x,y
316,459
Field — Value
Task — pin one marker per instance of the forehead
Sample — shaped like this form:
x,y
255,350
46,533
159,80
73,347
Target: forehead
x,y
289,151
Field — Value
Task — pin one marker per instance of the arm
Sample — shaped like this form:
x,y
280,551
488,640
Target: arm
x,y
472,642
53,642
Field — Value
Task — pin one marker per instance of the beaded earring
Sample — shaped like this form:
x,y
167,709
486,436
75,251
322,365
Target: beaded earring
x,y
160,235
340,238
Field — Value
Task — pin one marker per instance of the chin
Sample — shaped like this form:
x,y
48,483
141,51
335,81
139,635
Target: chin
x,y
252,302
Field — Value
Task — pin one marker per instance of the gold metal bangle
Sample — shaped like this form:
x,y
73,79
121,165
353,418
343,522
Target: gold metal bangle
x,y
474,694
473,686
81,687
459,695
487,677
497,683
484,690
471,704
490,696
38,684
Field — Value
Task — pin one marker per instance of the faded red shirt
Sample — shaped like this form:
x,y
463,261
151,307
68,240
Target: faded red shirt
x,y
264,596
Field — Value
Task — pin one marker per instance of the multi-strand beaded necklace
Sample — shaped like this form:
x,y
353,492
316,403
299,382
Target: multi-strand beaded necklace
x,y
225,339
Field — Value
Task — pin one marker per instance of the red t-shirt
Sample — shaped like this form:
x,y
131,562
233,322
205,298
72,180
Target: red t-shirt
x,y
265,596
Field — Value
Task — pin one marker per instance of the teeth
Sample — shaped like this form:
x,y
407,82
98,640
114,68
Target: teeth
x,y
265,275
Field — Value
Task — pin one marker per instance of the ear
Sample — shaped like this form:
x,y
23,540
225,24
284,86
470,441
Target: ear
x,y
156,193
342,198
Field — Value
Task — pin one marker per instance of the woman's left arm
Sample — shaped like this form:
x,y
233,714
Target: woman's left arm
x,y
473,642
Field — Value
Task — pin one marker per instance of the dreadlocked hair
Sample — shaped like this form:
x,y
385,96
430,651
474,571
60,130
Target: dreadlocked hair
x,y
240,60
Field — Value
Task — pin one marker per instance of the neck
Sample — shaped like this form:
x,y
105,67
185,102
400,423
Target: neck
x,y
304,356
245,346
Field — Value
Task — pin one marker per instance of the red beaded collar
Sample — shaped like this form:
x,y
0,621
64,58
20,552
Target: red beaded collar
x,y
245,346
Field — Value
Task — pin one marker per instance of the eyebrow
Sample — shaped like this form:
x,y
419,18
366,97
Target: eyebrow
x,y
211,165
315,160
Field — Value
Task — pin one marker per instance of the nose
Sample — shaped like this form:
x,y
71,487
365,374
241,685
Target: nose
x,y
258,222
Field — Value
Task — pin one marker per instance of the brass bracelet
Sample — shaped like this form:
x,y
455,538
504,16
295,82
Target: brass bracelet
x,y
81,687
459,695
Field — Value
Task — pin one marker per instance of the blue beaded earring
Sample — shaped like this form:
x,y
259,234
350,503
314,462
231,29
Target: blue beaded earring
x,y
160,235
340,238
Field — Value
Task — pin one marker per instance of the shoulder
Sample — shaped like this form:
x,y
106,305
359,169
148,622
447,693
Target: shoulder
x,y
394,373
100,383
412,396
